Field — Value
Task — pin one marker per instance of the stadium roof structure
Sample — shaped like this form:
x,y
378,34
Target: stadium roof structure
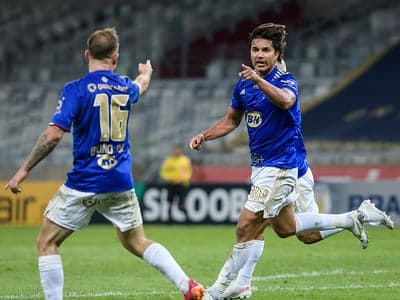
x,y
365,108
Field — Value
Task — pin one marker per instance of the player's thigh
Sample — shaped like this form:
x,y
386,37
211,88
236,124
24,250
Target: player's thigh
x,y
121,209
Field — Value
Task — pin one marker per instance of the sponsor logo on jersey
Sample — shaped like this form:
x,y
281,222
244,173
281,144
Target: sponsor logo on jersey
x,y
256,158
106,161
253,119
91,87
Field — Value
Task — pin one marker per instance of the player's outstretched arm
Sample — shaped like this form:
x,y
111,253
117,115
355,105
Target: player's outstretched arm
x,y
283,98
144,77
227,124
46,142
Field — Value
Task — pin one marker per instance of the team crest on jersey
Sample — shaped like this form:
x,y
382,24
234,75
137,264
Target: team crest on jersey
x,y
106,161
243,92
253,119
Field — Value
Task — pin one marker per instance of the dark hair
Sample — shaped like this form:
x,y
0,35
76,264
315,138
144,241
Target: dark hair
x,y
103,43
276,33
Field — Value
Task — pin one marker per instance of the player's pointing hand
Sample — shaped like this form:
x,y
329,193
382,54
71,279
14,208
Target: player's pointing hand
x,y
249,74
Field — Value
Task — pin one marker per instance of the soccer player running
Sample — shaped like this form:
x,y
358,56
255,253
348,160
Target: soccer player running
x,y
304,201
97,107
268,99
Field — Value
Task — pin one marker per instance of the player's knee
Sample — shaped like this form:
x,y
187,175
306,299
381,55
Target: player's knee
x,y
136,246
45,246
240,231
304,239
283,234
283,231
308,238
248,225
244,232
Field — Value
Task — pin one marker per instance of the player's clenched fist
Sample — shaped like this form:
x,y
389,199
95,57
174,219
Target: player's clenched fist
x,y
196,142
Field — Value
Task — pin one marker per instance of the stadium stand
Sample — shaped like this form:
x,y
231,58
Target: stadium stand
x,y
188,97
367,109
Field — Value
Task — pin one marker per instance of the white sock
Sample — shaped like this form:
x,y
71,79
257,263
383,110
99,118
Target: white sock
x,y
159,257
327,233
314,221
236,260
246,273
51,276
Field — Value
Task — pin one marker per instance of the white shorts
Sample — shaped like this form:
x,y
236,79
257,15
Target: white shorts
x,y
304,194
73,209
270,190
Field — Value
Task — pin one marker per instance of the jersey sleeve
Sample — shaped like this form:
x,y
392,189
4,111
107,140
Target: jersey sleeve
x,y
134,90
235,102
287,81
66,109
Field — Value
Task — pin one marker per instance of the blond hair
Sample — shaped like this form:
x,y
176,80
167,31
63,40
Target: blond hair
x,y
103,43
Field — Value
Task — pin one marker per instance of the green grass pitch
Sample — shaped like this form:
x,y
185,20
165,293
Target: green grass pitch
x,y
97,267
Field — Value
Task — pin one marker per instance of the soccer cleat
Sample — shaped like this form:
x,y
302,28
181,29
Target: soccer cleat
x,y
364,239
235,291
357,227
371,214
209,296
195,291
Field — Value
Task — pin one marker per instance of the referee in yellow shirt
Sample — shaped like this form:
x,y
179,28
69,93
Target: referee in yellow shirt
x,y
176,171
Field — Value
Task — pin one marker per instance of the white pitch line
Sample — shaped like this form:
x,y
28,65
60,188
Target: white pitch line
x,y
315,274
258,278
333,287
91,295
